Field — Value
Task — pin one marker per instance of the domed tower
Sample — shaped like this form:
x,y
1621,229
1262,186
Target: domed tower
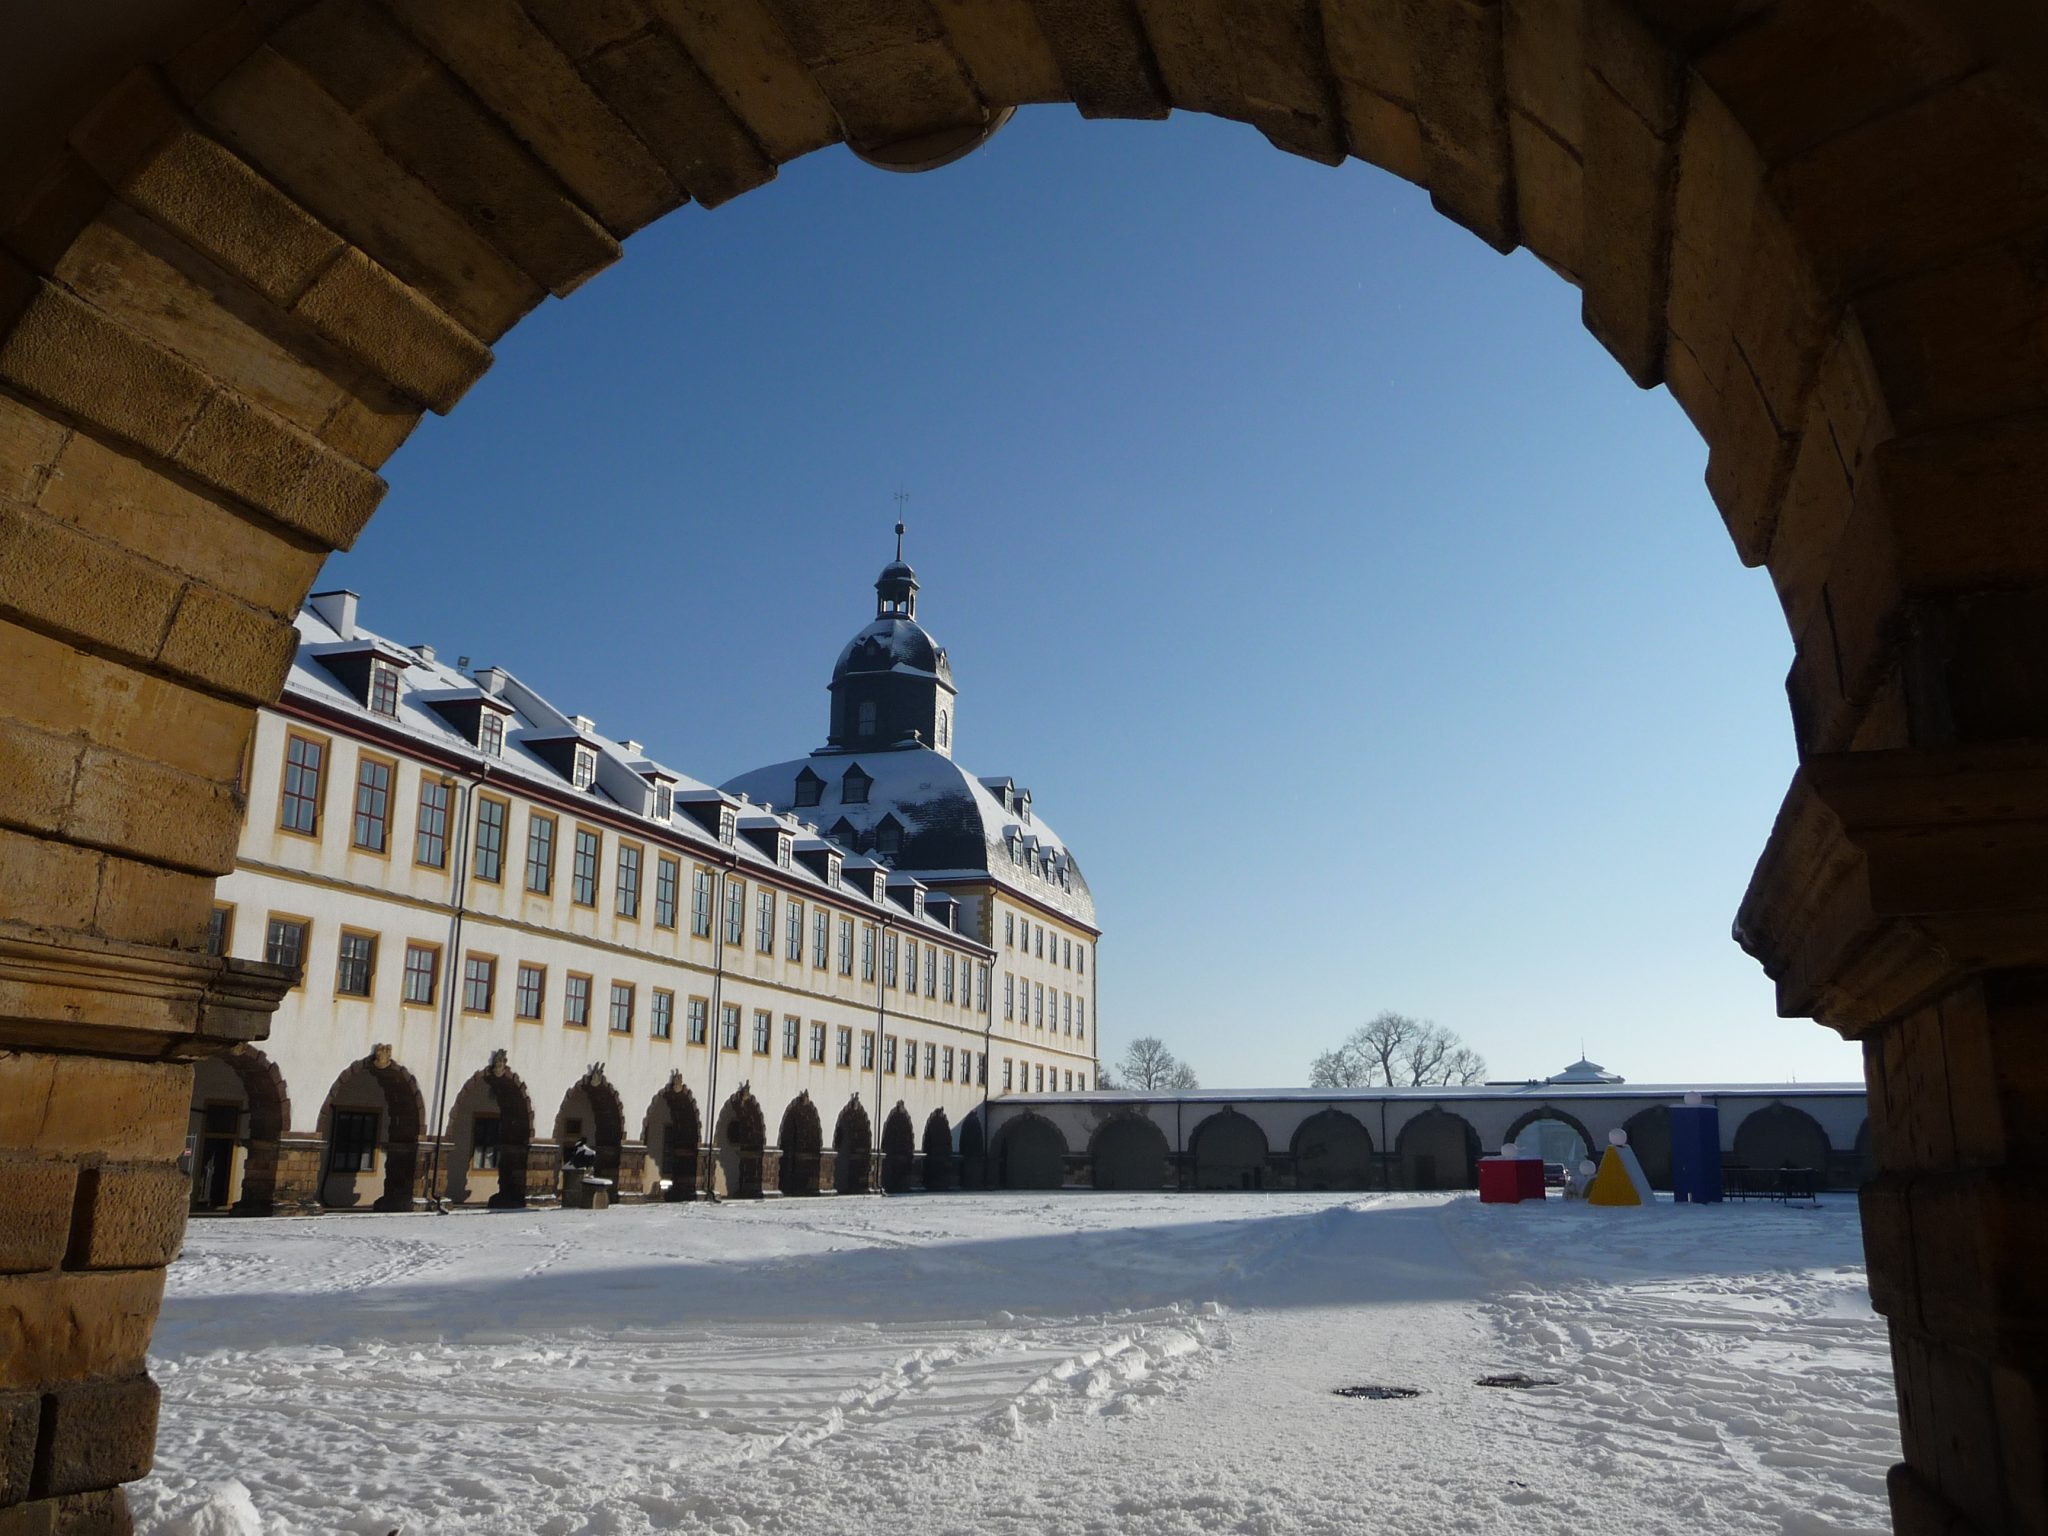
x,y
892,685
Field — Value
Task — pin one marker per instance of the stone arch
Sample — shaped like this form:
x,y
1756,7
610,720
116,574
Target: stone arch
x,y
1649,1132
240,1112
899,1150
674,1129
1130,1152
1333,1150
592,1110
1030,1154
1228,1151
498,1093
974,1173
938,1151
1780,1136
802,1143
202,325
1438,1150
852,1148
1565,1118
742,1138
377,1086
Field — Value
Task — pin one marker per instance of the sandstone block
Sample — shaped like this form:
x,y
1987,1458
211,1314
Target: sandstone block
x,y
289,474
29,443
49,884
35,1214
233,647
130,1216
371,425
1104,57
72,1105
999,40
97,1435
21,1415
393,331
656,88
744,53
63,351
147,904
59,1327
163,815
65,584
37,773
1461,102
1371,57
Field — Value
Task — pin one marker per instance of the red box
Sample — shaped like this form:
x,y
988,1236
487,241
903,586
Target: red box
x,y
1510,1180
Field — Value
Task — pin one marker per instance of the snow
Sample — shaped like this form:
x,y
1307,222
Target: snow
x,y
1014,1363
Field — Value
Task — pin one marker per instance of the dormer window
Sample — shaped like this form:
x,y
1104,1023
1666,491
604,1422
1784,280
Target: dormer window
x,y
917,903
664,802
889,837
784,844
584,773
865,718
384,689
832,866
853,788
945,728
490,733
809,789
728,824
880,886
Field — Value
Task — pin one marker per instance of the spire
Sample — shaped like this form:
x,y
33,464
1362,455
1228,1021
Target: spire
x,y
896,588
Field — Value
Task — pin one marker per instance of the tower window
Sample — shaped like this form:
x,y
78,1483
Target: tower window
x,y
945,729
889,838
865,718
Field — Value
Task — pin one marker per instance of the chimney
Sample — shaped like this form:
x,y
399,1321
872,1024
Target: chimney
x,y
631,748
425,653
584,724
491,680
337,610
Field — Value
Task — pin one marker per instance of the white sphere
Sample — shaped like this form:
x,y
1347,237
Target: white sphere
x,y
1587,1167
1693,1101
1509,1149
1617,1137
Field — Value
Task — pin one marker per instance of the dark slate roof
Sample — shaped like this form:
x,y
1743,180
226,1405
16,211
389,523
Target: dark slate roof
x,y
893,644
952,824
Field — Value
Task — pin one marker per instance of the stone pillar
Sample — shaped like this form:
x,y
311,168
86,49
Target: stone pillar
x,y
1904,900
96,1046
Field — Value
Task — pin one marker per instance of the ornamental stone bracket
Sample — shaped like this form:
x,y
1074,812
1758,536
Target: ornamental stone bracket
x,y
133,1000
1889,876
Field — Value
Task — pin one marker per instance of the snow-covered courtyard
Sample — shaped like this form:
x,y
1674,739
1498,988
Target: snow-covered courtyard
x,y
1025,1363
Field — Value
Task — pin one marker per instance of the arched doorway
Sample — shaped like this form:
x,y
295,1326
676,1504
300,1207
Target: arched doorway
x,y
742,1138
1438,1150
1228,1152
674,1131
1779,1136
1129,1152
938,1151
1554,1135
1031,1154
852,1144
486,1152
802,1141
370,1128
899,1150
1333,1151
591,1113
240,1112
974,1169
1649,1133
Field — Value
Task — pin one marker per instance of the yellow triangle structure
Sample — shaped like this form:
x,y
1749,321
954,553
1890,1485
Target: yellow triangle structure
x,y
1612,1185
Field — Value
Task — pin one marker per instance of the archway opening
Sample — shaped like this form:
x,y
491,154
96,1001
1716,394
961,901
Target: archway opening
x,y
1438,1150
592,1114
487,1148
899,1150
801,1141
852,1147
1649,1133
1553,1134
1130,1152
240,1111
1780,1136
370,1127
1228,1151
674,1131
1333,1151
938,1151
1031,1154
742,1146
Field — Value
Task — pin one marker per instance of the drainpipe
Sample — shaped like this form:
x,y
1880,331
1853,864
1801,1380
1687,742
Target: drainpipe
x,y
882,927
449,979
988,1026
709,1119
1386,1153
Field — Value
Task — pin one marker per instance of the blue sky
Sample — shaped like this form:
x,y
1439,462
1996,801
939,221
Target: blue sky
x,y
1370,637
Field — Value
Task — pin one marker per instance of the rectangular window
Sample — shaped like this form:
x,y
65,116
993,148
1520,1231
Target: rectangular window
x,y
735,911
729,1027
1081,1082
842,1046
533,986
867,954
1067,1008
931,971
1008,1081
764,921
700,902
1070,1082
981,1067
1009,996
490,838
583,772
430,841
1041,1077
540,854
220,927
910,1058
889,1054
821,937
1009,928
764,1031
384,689
946,1064
371,829
483,1142
355,959
576,1002
946,978
1081,1018
664,802
353,1148
981,989
661,1015
889,960
910,964
1038,1004
931,1060
1081,959
668,875
622,1007
284,942
700,1016
479,983
490,733
629,881
1040,930
1067,953
792,1037
793,934
583,867
422,967
867,1050
299,807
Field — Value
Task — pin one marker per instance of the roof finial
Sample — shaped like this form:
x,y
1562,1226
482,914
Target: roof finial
x,y
901,498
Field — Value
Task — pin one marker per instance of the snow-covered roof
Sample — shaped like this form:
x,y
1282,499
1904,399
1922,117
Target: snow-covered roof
x,y
428,687
1584,1071
893,643
952,824
1534,1091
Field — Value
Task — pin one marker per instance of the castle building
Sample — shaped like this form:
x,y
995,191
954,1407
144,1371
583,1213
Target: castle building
x,y
886,785
516,933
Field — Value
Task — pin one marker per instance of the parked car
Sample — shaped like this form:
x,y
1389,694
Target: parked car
x,y
1553,1175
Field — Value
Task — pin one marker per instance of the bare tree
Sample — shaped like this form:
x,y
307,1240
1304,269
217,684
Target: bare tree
x,y
1398,1051
1149,1067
